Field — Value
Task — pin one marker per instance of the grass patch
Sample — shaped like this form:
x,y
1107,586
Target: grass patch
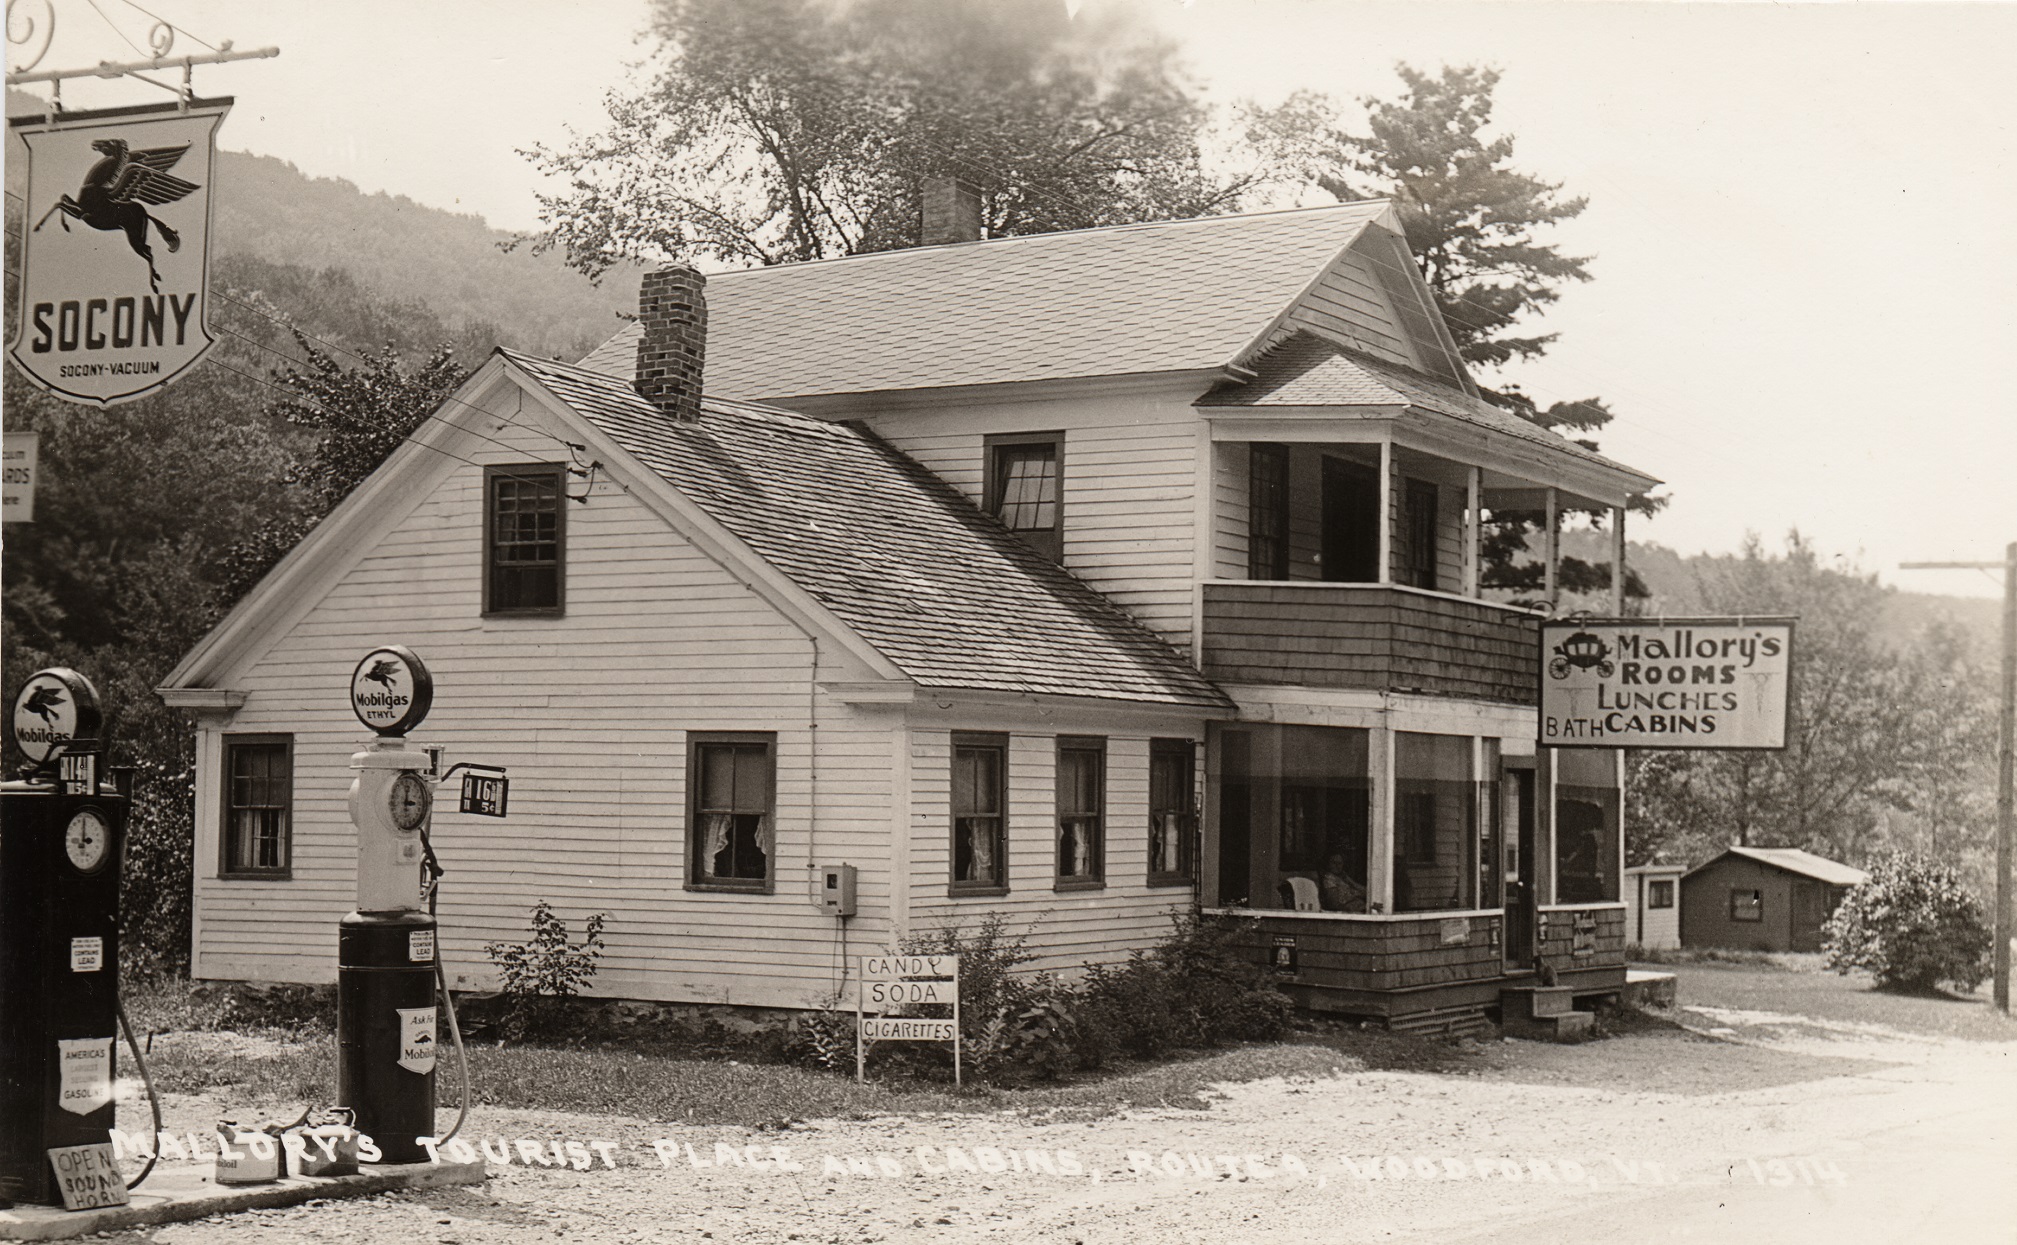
x,y
1783,961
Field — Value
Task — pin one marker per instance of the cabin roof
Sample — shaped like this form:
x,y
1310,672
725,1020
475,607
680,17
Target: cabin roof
x,y
1793,860
938,587
1124,300
1304,370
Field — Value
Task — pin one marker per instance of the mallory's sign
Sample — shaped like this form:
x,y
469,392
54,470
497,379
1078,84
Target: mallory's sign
x,y
1714,683
115,258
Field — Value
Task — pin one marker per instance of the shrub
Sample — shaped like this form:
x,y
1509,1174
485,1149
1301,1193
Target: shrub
x,y
1912,925
822,1039
544,969
993,994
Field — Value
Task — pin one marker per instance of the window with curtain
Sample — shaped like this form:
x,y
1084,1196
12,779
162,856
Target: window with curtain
x,y
979,810
1173,815
732,781
1081,800
258,806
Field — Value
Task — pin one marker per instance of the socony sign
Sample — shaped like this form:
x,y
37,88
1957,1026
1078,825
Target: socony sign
x,y
115,270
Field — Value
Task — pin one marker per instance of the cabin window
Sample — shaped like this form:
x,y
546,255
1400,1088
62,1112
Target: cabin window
x,y
1418,535
258,806
1173,817
732,799
979,811
1586,825
524,540
1435,823
1660,894
1082,798
1747,905
1268,512
1025,488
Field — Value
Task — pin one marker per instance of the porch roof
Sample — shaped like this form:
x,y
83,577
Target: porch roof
x,y
1305,371
908,562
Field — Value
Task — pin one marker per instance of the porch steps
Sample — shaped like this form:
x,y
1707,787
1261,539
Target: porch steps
x,y
1463,1020
1543,1014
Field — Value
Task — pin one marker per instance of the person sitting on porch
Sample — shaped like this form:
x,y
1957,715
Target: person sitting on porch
x,y
1341,891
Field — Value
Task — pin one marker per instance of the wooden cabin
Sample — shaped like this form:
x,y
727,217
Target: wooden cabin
x,y
1763,899
1653,906
1080,579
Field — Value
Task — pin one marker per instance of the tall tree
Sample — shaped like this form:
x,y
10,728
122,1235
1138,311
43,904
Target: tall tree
x,y
1479,227
768,131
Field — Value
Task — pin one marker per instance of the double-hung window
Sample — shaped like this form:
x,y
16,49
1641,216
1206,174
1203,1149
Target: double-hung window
x,y
1082,801
1173,817
258,806
979,815
1025,488
1268,511
524,539
1660,894
732,781
1418,532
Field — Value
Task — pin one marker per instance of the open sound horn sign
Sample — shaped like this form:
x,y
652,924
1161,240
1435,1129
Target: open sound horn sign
x,y
391,691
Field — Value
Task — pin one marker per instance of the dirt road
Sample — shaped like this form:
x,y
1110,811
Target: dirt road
x,y
1746,1124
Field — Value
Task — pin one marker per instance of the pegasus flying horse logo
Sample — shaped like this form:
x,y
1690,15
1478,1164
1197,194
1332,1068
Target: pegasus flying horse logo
x,y
384,671
117,192
41,701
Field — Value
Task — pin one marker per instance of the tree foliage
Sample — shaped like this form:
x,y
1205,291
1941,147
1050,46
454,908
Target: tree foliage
x,y
1879,732
1912,926
768,131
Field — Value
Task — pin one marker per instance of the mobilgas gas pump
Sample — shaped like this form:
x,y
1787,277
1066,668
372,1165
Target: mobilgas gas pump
x,y
62,836
385,998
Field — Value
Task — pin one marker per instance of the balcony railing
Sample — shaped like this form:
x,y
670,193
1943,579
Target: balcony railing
x,y
1372,636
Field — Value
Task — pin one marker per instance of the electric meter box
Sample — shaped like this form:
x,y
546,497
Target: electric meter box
x,y
836,889
59,975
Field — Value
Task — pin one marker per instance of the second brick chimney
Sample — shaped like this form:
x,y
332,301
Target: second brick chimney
x,y
951,212
673,308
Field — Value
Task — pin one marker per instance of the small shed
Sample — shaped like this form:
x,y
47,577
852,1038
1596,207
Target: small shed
x,y
1763,899
1653,906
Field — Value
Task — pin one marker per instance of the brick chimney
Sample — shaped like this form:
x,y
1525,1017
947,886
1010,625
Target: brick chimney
x,y
951,212
673,309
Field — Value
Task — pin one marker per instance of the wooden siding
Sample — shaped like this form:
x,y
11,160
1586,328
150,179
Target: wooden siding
x,y
1556,942
1064,929
1795,907
1350,305
1368,636
590,712
1382,967
1130,481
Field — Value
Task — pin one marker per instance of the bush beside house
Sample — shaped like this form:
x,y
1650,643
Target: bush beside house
x,y
1912,926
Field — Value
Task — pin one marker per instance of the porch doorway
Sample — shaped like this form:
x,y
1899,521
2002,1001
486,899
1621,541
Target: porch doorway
x,y
1522,900
1352,509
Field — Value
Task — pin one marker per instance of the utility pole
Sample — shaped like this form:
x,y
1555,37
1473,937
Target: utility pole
x,y
2006,761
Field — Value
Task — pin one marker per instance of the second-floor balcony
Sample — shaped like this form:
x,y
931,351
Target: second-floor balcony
x,y
1377,637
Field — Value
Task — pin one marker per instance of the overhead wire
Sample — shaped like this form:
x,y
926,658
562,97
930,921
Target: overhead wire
x,y
171,25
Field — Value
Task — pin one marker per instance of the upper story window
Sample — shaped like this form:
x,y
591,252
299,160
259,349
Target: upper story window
x,y
979,814
1268,512
1418,535
1082,808
732,781
524,539
1173,816
258,806
1025,488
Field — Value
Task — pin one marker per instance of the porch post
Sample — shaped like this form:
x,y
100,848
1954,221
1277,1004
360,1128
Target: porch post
x,y
1380,851
1386,512
1474,530
1617,561
1552,551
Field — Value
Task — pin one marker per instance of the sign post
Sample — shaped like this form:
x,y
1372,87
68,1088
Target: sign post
x,y
892,984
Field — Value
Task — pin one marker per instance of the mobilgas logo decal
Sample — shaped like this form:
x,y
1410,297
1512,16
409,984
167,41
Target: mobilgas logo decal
x,y
54,710
391,691
116,266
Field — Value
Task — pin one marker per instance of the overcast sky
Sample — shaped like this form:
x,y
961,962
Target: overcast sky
x,y
1806,272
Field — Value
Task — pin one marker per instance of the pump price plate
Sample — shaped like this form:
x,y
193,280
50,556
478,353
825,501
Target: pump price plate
x,y
486,795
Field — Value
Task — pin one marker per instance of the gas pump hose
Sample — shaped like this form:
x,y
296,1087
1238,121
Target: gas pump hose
x,y
154,1099
447,999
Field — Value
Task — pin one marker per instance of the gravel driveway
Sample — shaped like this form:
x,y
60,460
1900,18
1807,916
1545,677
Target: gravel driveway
x,y
1745,1124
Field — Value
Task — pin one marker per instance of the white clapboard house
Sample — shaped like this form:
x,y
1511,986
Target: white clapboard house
x,y
1085,579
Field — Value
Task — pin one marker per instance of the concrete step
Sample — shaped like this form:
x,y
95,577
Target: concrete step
x,y
1535,1002
1644,988
1567,1027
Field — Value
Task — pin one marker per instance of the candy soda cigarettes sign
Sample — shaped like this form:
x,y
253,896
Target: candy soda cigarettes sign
x,y
1718,683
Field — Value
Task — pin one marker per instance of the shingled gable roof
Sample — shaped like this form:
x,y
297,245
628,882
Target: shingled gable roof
x,y
941,589
1304,370
1793,860
1171,296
